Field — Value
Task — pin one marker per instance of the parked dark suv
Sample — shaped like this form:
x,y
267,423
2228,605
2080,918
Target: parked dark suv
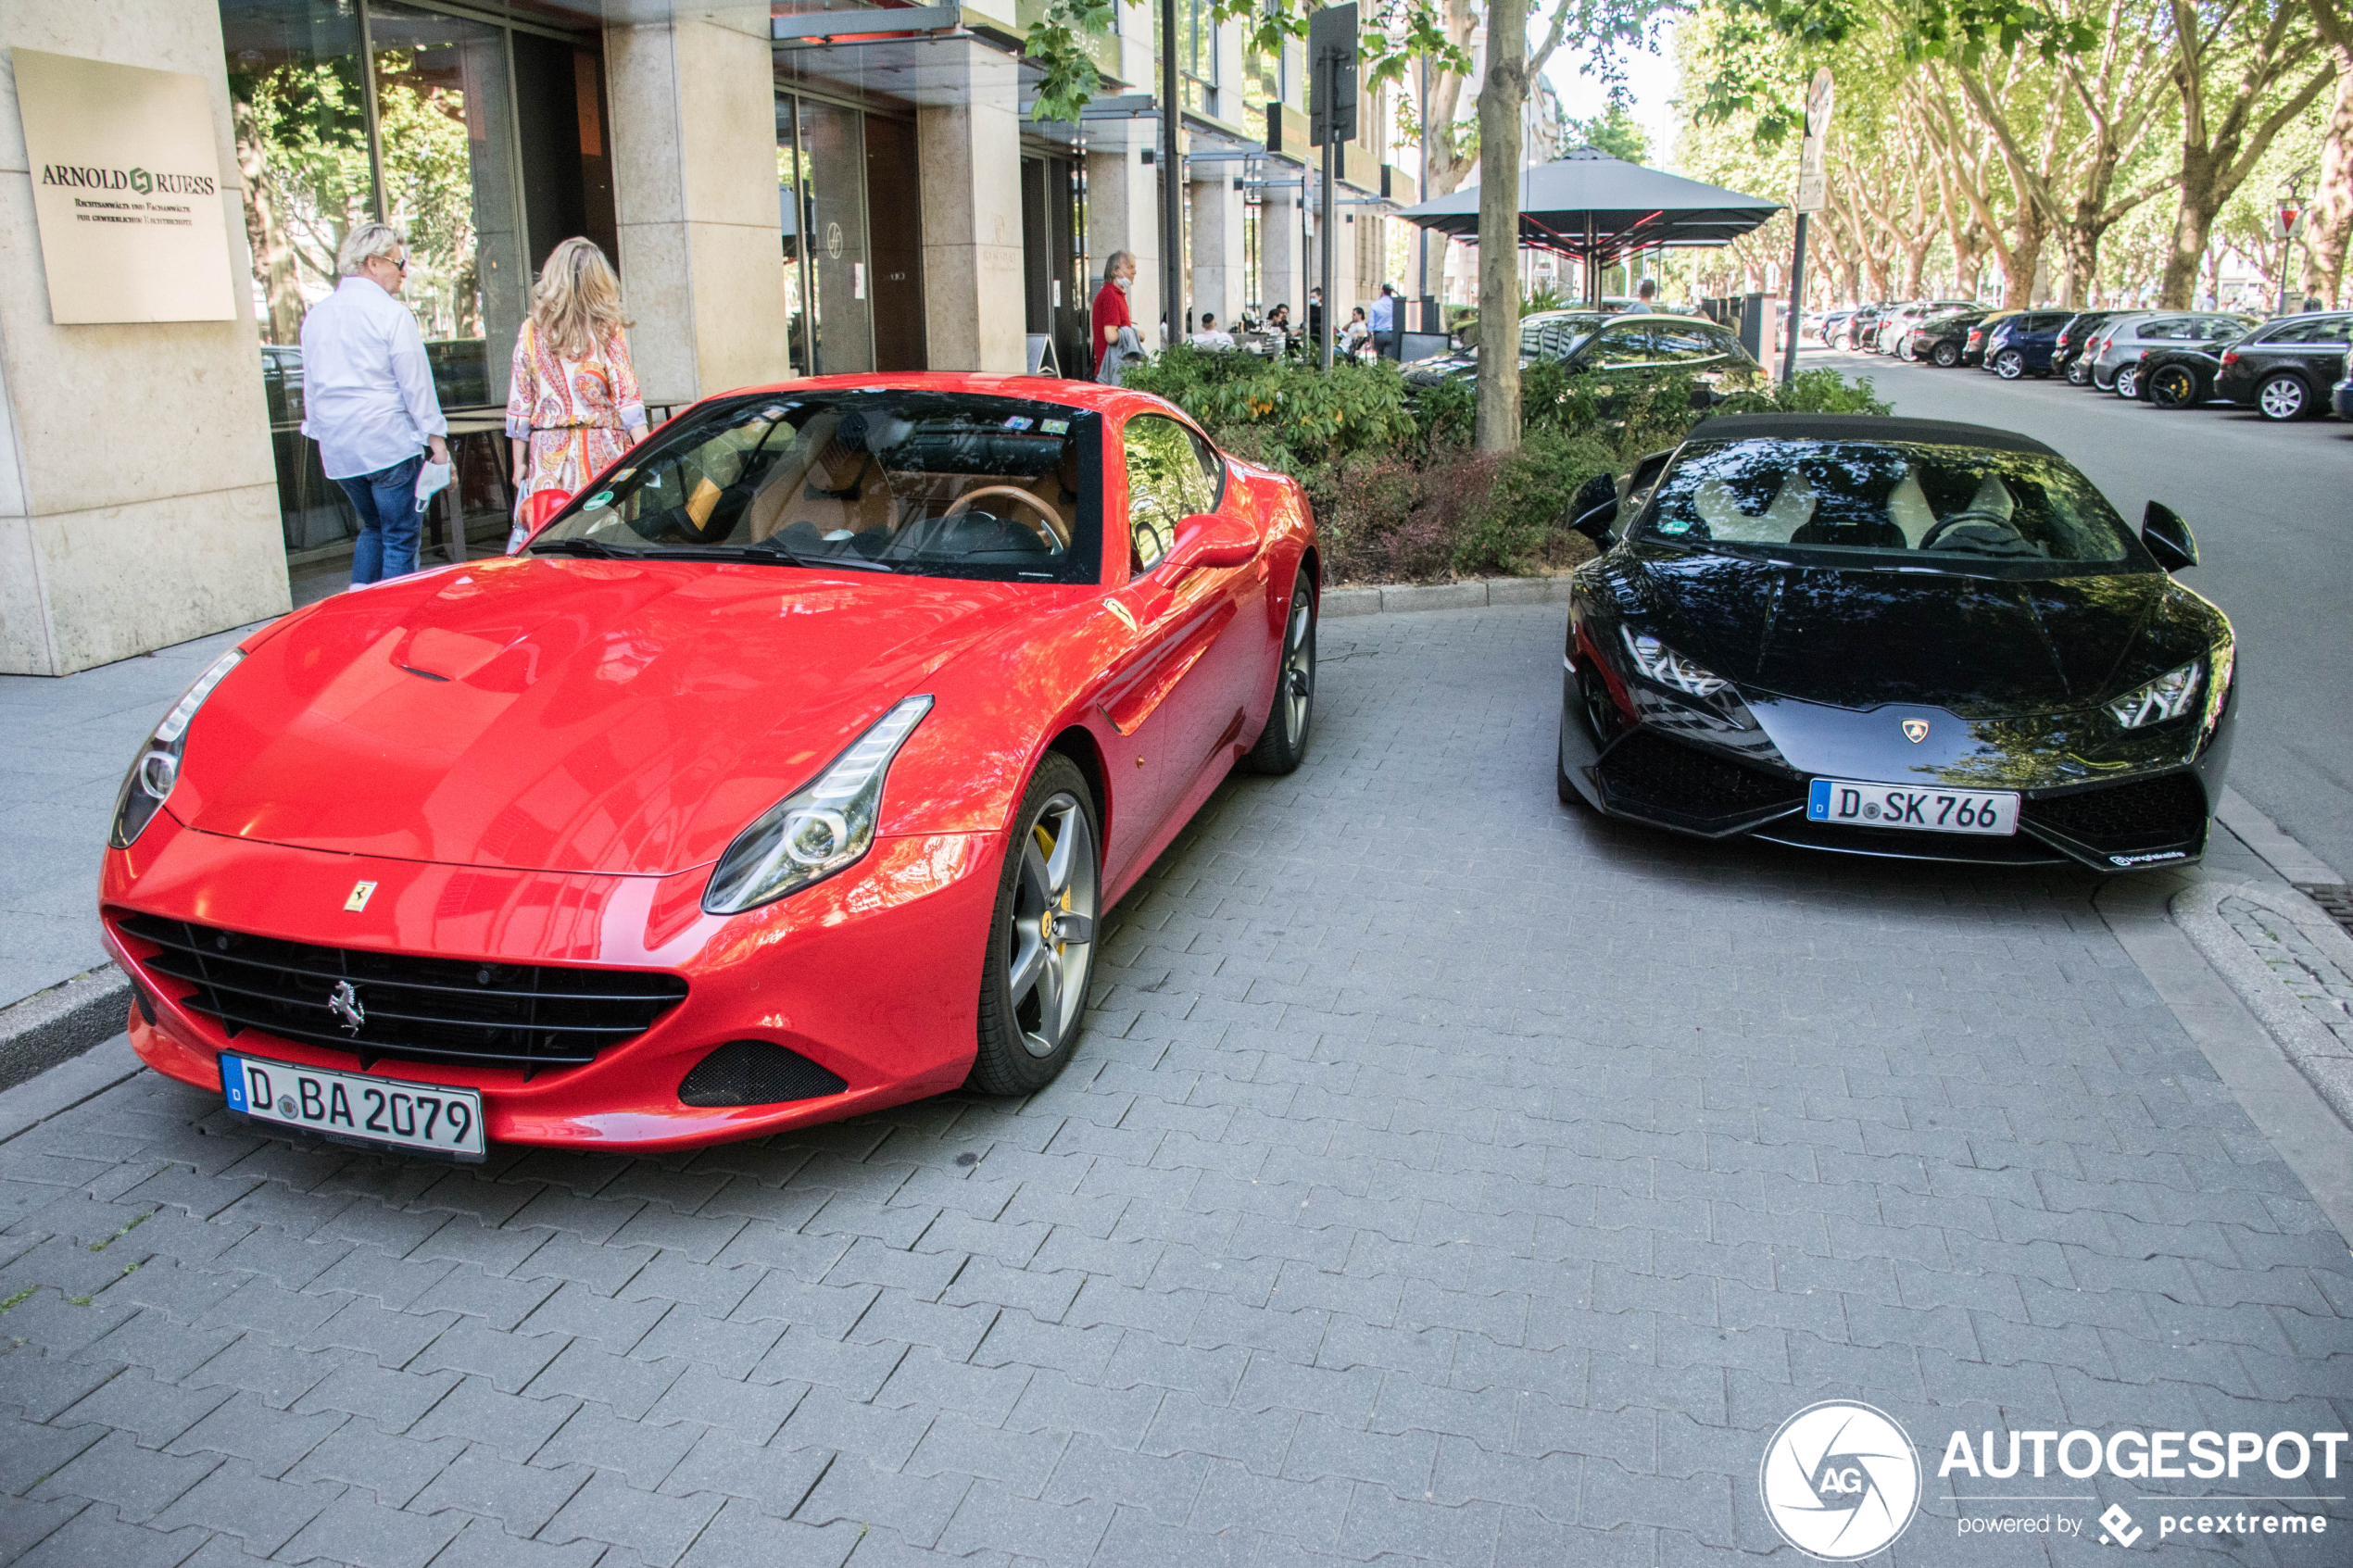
x,y
2283,370
2023,343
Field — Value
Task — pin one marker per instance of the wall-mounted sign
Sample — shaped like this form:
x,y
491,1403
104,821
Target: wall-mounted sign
x,y
126,187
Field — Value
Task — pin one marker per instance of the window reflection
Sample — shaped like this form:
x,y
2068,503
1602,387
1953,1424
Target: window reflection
x,y
446,128
1962,507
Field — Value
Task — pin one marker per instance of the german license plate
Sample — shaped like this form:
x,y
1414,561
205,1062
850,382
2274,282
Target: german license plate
x,y
350,1106
1852,803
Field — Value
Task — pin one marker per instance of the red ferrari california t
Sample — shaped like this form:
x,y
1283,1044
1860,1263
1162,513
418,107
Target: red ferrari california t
x,y
787,774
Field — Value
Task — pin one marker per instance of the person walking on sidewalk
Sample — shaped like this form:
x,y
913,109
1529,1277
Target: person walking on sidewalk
x,y
1110,313
572,403
368,400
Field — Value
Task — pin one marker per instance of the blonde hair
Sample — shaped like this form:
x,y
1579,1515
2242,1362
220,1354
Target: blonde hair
x,y
364,244
576,306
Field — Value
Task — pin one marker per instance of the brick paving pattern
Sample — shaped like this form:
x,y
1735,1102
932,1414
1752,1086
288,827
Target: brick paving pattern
x,y
1448,1176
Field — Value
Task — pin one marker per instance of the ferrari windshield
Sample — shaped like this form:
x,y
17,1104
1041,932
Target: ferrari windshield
x,y
932,484
1965,508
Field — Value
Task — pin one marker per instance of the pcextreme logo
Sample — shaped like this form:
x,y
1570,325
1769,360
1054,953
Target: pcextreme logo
x,y
1841,1480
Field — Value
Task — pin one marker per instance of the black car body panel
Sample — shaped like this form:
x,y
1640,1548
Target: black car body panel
x,y
2179,377
1908,674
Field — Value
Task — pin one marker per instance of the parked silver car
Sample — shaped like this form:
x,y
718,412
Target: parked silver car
x,y
2116,345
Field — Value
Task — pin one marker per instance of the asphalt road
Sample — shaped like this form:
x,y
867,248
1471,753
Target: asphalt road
x,y
2272,508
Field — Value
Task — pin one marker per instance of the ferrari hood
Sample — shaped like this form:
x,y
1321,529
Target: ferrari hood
x,y
1975,645
566,715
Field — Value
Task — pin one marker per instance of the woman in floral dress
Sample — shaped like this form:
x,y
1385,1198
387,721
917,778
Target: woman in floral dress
x,y
572,407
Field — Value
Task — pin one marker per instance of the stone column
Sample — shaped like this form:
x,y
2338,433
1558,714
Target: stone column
x,y
1279,247
970,153
1123,213
138,496
1219,282
694,136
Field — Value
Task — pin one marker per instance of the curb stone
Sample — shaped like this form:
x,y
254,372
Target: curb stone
x,y
49,1026
1395,598
2269,995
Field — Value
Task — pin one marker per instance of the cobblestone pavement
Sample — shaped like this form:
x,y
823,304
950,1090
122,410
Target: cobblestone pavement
x,y
1448,1176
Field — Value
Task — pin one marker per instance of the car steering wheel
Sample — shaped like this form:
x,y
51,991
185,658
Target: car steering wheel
x,y
1995,519
1056,536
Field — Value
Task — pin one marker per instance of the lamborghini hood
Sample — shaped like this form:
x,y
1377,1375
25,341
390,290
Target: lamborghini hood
x,y
566,715
1979,646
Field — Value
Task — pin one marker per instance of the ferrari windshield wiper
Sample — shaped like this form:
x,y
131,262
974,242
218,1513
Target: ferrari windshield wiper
x,y
771,549
593,548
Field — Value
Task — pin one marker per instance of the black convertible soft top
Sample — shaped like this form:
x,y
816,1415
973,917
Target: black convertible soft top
x,y
1861,427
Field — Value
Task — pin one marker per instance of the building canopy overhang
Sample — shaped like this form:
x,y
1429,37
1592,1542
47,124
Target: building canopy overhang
x,y
1592,206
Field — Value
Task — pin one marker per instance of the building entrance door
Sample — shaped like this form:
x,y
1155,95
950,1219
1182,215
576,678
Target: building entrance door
x,y
1053,264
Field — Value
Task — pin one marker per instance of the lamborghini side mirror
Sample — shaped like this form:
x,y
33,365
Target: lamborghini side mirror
x,y
1594,507
2168,537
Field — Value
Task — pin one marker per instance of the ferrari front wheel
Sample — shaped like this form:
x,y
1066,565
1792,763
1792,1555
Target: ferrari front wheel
x,y
1041,939
1282,744
2172,387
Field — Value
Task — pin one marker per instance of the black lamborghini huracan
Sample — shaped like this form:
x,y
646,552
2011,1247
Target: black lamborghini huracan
x,y
1897,637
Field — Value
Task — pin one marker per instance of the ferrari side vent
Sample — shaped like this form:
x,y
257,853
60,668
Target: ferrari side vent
x,y
755,1072
399,1004
1647,773
2145,814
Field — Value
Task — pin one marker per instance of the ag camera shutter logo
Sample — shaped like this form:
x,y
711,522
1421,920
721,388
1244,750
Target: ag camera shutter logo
x,y
1841,1480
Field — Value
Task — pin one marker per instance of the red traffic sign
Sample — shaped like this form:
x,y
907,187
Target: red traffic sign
x,y
2290,215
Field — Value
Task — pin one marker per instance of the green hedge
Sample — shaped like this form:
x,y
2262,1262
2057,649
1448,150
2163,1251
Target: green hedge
x,y
1400,496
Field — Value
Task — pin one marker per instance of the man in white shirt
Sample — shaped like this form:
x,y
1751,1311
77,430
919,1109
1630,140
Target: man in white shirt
x,y
1209,336
1383,321
368,400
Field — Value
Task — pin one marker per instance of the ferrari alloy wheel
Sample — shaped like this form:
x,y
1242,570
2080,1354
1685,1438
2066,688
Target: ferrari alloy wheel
x,y
2173,387
2283,397
1282,744
1946,354
2127,384
1041,945
2009,364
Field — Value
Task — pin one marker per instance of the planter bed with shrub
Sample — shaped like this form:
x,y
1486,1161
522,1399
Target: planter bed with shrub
x,y
1400,496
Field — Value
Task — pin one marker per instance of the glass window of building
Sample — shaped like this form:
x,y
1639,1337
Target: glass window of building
x,y
482,140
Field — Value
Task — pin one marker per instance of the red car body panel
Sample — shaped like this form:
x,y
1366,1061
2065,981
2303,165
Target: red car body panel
x,y
538,761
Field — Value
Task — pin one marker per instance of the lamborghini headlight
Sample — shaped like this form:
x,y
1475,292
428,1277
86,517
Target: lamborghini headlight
x,y
2168,697
825,827
1663,664
149,782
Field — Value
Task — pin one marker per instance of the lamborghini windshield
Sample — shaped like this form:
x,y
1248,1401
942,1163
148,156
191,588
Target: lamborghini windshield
x,y
891,480
1962,509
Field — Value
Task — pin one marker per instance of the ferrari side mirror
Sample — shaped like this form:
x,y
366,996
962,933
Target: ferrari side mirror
x,y
2168,537
1208,539
1594,507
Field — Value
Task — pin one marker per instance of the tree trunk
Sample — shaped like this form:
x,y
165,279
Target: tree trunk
x,y
2330,223
274,257
2193,225
1496,427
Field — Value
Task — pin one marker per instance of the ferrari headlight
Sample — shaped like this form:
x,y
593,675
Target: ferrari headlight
x,y
826,827
1663,664
149,782
2168,697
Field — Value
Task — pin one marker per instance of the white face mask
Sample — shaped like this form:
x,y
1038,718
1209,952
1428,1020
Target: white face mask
x,y
1124,284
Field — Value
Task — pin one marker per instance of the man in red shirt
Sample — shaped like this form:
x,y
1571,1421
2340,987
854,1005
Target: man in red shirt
x,y
1111,305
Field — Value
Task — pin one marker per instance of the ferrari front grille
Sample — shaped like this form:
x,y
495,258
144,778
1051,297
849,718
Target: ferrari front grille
x,y
2156,813
1647,773
375,1005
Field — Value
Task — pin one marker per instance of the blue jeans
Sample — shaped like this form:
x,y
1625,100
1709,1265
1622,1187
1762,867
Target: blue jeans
x,y
386,502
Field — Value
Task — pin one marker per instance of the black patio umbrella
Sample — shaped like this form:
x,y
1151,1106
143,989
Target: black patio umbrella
x,y
1601,208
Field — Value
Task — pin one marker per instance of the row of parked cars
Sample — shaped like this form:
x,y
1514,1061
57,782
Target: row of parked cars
x,y
2283,367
